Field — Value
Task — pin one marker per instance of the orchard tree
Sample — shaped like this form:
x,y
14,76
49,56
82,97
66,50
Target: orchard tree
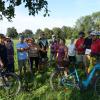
x,y
12,32
7,7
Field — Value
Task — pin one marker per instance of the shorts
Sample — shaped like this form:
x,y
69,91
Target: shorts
x,y
80,58
22,64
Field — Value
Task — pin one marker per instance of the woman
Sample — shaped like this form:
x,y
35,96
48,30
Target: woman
x,y
33,54
62,56
10,54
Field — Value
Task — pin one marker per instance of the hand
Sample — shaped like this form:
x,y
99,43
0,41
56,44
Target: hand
x,y
64,59
1,64
22,49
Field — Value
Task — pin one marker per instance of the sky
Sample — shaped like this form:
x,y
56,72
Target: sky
x,y
62,13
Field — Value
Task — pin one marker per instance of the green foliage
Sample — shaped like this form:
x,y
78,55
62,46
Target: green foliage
x,y
7,8
27,33
38,32
12,32
89,22
40,88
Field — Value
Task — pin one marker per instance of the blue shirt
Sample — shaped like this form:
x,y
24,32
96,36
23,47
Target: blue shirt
x,y
22,55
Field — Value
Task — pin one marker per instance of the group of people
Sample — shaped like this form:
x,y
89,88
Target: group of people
x,y
83,51
28,50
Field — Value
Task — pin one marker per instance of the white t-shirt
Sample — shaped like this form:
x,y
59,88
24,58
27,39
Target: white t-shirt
x,y
71,49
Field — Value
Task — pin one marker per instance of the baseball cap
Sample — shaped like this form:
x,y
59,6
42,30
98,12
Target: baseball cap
x,y
81,33
21,37
2,36
93,33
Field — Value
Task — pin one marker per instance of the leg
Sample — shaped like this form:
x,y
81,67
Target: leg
x,y
24,68
20,65
31,64
36,62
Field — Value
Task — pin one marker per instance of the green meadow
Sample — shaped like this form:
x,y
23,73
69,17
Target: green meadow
x,y
39,87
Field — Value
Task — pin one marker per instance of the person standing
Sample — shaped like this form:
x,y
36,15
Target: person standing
x,y
43,44
79,45
62,56
10,54
72,51
33,54
87,47
3,53
22,55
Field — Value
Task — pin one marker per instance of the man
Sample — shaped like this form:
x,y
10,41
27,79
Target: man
x,y
3,52
22,54
87,47
80,49
43,44
95,50
52,48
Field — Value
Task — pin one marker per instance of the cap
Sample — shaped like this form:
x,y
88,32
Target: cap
x,y
21,37
81,33
93,33
2,36
98,33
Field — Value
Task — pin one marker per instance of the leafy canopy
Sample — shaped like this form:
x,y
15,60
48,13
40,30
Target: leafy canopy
x,y
7,7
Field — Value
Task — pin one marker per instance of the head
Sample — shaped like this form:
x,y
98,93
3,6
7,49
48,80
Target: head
x,y
62,42
53,37
89,33
8,42
2,38
72,40
42,35
93,35
33,40
81,34
21,38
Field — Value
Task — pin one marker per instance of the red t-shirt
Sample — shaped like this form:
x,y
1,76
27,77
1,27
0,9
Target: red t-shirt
x,y
95,47
80,45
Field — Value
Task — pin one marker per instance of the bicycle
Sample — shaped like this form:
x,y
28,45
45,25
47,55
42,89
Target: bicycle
x,y
59,81
10,84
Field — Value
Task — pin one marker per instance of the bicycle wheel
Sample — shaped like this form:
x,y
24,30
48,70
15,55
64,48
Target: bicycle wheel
x,y
55,80
69,82
11,85
97,85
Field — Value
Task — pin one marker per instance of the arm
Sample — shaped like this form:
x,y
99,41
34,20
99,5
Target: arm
x,y
1,63
66,53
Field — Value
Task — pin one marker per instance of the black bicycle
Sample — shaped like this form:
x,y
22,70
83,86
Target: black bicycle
x,y
10,84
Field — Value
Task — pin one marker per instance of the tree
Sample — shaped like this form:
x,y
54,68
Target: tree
x,y
58,32
7,7
12,32
48,33
27,33
89,22
38,32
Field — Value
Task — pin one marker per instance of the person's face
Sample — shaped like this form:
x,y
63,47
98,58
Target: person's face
x,y
54,38
21,40
1,39
72,41
42,36
81,35
61,42
94,37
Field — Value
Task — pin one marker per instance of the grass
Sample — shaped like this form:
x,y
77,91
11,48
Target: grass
x,y
40,88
